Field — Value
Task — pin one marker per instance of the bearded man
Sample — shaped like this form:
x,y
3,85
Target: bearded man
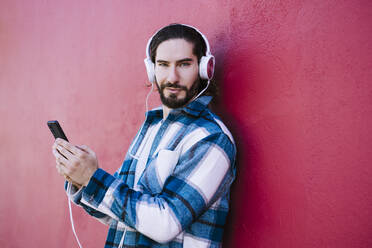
x,y
173,187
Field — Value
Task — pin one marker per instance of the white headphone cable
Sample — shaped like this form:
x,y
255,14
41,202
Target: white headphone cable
x,y
69,185
147,97
201,92
147,109
71,218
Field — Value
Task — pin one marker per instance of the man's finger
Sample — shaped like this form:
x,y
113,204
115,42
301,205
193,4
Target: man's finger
x,y
64,152
84,148
68,146
62,160
57,154
74,150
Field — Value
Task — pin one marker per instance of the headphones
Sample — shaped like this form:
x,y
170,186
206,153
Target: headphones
x,y
206,64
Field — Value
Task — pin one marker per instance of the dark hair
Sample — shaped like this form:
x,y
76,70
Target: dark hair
x,y
179,31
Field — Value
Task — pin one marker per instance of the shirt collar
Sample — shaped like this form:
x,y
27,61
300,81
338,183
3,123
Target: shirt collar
x,y
197,106
193,108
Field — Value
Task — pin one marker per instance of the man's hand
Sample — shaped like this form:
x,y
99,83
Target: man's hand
x,y
77,163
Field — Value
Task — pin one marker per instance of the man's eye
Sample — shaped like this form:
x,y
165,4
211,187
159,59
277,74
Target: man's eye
x,y
162,64
184,64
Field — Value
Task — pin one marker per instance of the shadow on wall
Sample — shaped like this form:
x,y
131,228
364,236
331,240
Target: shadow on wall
x,y
234,72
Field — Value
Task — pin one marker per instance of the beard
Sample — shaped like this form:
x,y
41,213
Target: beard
x,y
172,101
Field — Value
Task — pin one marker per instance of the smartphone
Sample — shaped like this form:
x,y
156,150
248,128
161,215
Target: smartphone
x,y
56,130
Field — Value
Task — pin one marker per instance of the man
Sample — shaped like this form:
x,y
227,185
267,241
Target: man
x,y
172,189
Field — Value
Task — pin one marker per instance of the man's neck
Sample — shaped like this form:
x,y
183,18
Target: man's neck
x,y
166,111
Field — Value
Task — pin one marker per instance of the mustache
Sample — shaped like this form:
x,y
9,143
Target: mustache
x,y
173,85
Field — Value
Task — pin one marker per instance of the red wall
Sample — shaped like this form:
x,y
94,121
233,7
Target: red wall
x,y
296,92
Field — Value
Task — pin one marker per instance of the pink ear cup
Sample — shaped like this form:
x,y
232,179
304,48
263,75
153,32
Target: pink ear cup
x,y
206,67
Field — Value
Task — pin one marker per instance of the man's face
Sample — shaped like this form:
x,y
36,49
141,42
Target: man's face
x,y
177,72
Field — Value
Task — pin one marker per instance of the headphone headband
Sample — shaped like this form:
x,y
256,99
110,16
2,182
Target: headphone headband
x,y
207,52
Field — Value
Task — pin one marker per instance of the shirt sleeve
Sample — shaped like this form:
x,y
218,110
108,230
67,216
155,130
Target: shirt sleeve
x,y
203,174
74,194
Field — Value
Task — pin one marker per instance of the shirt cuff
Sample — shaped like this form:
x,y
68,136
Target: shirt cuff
x,y
75,193
97,187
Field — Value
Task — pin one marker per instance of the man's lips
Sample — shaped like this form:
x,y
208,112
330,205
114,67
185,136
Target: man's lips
x,y
173,90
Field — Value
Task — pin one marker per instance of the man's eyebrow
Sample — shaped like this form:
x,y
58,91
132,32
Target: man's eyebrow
x,y
184,60
178,61
161,61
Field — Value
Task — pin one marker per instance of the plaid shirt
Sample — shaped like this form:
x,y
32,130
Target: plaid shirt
x,y
182,197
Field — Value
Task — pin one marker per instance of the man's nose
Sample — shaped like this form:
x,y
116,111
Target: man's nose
x,y
173,74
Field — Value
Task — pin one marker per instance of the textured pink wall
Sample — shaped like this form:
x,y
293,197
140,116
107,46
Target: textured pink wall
x,y
295,90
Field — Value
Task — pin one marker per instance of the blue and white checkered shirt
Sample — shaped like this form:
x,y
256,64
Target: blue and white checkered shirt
x,y
181,198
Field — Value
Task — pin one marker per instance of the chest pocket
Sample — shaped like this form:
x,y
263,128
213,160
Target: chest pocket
x,y
156,173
